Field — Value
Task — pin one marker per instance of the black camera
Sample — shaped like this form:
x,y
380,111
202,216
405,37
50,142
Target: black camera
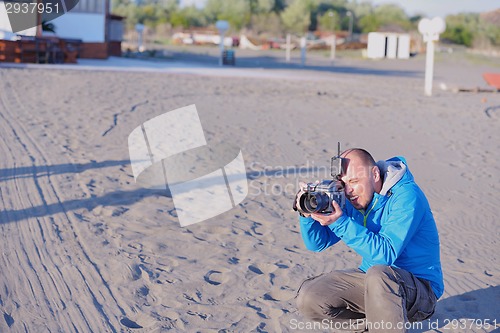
x,y
318,197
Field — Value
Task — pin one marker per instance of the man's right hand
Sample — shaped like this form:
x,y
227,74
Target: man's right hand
x,y
302,187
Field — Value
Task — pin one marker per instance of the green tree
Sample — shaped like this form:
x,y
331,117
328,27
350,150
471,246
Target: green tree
x,y
360,9
460,29
188,17
391,13
264,6
384,15
149,12
267,24
236,12
279,6
492,33
369,23
459,35
297,16
329,21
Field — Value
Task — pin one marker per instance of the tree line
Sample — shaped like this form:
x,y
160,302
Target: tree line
x,y
278,17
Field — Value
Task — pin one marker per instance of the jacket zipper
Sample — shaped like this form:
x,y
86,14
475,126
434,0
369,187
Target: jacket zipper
x,y
366,216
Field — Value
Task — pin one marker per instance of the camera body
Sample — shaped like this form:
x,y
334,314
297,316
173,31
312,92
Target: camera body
x,y
318,197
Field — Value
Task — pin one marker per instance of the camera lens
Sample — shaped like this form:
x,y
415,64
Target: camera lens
x,y
314,202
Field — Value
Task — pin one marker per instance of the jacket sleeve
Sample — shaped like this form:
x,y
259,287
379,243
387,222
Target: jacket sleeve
x,y
397,229
316,237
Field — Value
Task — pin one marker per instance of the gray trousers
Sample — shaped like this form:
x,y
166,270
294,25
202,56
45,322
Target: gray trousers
x,y
384,299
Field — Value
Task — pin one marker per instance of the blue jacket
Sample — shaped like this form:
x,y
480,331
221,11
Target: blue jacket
x,y
400,229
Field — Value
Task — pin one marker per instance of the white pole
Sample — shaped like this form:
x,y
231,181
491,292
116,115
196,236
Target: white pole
x,y
303,51
429,67
288,47
351,19
430,29
334,45
334,40
140,29
221,47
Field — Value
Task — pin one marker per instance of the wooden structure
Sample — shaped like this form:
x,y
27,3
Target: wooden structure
x,y
88,30
41,50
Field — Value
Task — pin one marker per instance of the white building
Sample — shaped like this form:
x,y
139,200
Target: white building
x,y
388,45
89,21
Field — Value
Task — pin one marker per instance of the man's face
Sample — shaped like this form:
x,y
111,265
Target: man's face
x,y
359,183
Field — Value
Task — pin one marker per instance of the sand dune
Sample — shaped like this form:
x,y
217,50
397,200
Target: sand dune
x,y
85,249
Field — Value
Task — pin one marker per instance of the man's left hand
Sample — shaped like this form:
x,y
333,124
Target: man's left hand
x,y
327,219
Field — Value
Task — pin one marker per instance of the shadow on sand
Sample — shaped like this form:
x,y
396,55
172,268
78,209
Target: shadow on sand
x,y
116,198
474,311
49,170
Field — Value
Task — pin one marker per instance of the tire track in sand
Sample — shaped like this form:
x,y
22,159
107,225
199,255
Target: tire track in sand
x,y
50,283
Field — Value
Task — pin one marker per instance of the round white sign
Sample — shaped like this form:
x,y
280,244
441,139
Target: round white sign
x,y
435,26
222,25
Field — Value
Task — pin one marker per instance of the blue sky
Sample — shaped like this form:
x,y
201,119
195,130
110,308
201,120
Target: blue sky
x,y
430,8
433,8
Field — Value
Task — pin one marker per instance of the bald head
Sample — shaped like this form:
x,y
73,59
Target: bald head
x,y
360,176
360,155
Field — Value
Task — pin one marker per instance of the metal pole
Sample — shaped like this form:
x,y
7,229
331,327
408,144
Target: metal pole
x,y
351,19
429,67
303,51
39,30
140,29
334,40
288,47
221,48
334,45
139,41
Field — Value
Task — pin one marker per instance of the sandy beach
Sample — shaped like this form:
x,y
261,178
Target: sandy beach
x,y
85,249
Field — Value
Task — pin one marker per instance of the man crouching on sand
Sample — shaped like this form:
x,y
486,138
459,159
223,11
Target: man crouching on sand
x,y
387,220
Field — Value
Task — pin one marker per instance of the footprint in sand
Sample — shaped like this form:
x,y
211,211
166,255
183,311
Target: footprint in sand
x,y
167,262
258,309
129,323
279,295
262,268
255,269
141,272
233,260
143,291
119,211
215,277
8,319
136,246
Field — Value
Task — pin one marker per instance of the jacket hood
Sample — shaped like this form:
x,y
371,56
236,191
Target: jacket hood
x,y
395,173
393,170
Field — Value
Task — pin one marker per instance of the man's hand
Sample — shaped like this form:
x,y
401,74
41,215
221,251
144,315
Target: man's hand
x,y
327,219
302,187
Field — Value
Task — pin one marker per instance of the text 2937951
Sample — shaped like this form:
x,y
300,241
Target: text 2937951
x,y
32,7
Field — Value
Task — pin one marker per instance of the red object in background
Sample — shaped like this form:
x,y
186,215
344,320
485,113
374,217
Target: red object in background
x,y
493,79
